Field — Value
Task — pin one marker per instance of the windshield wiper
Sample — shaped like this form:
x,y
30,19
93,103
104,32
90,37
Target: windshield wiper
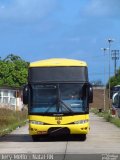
x,y
58,103
58,106
61,102
50,107
66,106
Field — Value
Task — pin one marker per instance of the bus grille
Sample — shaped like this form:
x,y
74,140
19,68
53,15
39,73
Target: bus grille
x,y
58,131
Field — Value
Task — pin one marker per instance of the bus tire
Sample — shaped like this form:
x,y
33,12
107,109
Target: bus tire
x,y
35,138
83,137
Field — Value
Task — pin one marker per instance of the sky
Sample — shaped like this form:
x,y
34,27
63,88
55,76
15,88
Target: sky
x,y
75,29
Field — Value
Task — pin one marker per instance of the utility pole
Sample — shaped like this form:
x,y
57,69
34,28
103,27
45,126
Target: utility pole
x,y
115,57
109,42
104,51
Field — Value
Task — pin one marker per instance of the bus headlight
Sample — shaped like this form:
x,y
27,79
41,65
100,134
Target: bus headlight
x,y
36,122
81,121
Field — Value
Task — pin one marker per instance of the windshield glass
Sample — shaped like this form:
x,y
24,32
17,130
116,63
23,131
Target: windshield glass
x,y
57,98
116,88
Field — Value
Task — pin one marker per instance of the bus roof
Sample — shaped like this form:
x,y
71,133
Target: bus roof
x,y
57,62
117,85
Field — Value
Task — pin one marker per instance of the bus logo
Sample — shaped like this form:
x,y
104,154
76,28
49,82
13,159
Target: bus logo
x,y
58,122
58,119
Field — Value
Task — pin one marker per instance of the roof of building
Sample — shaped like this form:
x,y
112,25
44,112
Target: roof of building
x,y
10,88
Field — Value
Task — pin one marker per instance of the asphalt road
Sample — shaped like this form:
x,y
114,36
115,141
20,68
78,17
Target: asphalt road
x,y
103,137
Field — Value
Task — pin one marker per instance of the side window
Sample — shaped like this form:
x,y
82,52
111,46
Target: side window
x,y
115,99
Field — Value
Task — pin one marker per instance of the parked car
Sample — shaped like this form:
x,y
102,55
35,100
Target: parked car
x,y
114,90
116,103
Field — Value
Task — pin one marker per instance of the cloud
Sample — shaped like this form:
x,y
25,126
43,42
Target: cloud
x,y
103,8
26,10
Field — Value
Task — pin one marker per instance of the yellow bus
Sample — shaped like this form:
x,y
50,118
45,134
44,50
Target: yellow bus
x,y
58,94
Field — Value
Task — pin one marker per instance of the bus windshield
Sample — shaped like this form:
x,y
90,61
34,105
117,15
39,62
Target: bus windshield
x,y
58,98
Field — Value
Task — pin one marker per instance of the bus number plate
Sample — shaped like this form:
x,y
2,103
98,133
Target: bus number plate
x,y
58,118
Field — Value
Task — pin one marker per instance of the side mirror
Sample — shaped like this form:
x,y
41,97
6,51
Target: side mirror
x,y
90,93
25,94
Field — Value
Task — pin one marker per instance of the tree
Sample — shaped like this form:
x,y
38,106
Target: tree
x,y
12,58
97,83
14,71
114,80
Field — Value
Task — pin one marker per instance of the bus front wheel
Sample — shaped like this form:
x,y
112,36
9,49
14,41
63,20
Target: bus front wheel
x,y
35,138
83,137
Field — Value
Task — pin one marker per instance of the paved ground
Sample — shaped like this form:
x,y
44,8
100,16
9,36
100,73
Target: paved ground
x,y
102,138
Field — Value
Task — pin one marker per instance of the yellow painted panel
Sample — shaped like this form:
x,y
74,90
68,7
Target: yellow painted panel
x,y
57,62
74,128
35,129
53,120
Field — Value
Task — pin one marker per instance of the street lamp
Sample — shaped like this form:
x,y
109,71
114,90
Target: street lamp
x,y
109,42
104,51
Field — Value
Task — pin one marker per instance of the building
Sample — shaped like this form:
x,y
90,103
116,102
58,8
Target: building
x,y
11,97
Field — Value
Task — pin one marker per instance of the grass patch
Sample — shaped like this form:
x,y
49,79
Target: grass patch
x,y
10,120
107,116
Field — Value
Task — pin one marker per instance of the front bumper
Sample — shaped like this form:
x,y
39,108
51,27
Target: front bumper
x,y
47,129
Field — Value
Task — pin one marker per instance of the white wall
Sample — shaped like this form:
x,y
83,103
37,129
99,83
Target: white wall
x,y
9,98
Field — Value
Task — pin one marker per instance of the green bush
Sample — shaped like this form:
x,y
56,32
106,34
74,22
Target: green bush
x,y
108,117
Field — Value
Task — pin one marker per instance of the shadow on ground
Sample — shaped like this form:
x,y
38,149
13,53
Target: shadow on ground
x,y
28,138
